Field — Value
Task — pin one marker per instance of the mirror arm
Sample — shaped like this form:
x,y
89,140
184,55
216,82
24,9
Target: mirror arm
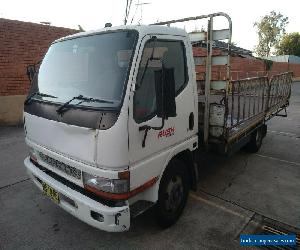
x,y
146,128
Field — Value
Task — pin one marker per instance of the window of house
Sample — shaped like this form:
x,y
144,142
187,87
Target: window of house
x,y
199,60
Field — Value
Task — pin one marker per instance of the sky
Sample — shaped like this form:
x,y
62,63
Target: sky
x,y
92,14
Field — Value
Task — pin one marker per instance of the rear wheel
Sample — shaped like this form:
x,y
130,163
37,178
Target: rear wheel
x,y
173,193
255,141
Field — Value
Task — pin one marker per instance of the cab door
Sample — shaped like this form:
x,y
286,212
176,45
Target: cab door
x,y
148,153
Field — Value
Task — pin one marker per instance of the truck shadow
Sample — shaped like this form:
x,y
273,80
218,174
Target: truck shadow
x,y
211,163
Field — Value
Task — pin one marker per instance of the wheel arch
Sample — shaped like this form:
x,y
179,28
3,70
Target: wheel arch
x,y
187,157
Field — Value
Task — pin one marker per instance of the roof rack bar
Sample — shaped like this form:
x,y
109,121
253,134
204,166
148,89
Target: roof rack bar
x,y
195,18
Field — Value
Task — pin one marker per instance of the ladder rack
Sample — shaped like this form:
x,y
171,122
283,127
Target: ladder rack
x,y
218,88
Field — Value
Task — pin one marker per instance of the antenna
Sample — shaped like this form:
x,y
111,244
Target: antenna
x,y
137,6
46,23
127,10
141,5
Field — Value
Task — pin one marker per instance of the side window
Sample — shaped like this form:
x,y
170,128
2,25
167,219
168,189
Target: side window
x,y
171,54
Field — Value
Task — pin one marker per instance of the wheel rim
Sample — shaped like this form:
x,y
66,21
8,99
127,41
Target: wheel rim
x,y
174,194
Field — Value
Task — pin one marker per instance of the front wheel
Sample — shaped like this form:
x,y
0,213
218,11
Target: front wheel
x,y
173,193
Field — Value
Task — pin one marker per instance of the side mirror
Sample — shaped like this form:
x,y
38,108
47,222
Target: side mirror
x,y
165,98
169,93
165,93
31,70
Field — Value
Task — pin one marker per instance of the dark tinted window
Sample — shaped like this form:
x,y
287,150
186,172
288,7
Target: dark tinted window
x,y
171,55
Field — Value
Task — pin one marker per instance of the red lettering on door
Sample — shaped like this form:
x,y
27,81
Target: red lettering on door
x,y
166,132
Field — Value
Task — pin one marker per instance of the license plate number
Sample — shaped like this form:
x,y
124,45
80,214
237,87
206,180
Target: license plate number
x,y
50,192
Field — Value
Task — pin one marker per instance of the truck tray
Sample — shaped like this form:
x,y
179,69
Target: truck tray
x,y
246,103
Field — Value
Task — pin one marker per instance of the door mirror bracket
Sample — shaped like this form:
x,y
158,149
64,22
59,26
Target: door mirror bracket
x,y
146,128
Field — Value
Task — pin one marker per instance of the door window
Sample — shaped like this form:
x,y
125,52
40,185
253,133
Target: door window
x,y
170,54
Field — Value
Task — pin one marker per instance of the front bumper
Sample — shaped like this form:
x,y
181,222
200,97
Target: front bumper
x,y
94,213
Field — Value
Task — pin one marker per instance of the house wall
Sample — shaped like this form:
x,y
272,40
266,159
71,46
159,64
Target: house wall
x,y
243,67
22,44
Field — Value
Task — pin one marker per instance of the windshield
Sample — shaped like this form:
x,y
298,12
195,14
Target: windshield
x,y
93,66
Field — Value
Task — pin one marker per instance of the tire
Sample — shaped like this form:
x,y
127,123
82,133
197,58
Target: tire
x,y
173,194
255,141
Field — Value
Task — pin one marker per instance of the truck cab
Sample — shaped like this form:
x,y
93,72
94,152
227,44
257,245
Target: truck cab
x,y
111,122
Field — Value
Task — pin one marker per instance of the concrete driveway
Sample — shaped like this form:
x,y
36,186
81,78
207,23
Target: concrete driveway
x,y
247,193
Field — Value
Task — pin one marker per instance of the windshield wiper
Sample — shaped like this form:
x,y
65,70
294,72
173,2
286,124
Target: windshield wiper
x,y
37,93
82,99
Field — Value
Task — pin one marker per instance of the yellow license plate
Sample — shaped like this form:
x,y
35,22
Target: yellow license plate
x,y
50,192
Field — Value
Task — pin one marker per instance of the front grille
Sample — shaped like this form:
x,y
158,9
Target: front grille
x,y
69,170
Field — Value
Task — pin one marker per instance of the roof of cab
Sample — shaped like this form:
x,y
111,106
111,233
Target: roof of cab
x,y
142,29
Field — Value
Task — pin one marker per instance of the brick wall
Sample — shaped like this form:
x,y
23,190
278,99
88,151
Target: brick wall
x,y
242,67
23,43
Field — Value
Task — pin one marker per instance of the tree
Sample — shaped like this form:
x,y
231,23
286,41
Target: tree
x,y
289,44
270,29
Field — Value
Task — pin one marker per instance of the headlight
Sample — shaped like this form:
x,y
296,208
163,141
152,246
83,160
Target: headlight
x,y
116,186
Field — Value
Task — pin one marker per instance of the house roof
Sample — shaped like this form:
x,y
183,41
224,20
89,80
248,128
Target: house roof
x,y
223,46
285,58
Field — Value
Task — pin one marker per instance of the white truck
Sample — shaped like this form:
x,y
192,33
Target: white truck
x,y
115,119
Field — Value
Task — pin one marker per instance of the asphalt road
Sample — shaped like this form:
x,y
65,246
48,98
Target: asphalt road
x,y
236,195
